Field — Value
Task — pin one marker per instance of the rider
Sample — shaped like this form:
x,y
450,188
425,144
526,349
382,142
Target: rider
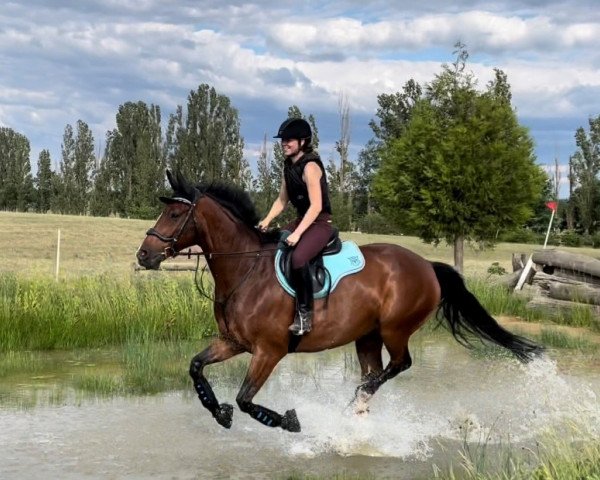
x,y
304,183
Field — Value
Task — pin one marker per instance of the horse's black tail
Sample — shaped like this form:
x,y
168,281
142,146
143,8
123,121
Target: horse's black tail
x,y
465,315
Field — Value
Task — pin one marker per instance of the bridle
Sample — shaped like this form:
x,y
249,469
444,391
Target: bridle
x,y
171,250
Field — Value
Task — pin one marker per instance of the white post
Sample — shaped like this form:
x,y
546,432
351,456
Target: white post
x,y
57,257
549,227
529,264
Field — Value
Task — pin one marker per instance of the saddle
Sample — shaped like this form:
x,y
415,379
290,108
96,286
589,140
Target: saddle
x,y
335,261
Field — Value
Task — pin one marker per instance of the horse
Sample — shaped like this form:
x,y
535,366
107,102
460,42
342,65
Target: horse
x,y
395,293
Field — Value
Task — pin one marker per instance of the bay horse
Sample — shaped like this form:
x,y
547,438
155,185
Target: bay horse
x,y
382,305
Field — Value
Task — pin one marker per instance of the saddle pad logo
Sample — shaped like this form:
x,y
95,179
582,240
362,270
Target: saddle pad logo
x,y
354,260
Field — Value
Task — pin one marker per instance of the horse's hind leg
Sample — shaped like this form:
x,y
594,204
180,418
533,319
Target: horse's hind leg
x,y
399,361
368,350
218,351
261,366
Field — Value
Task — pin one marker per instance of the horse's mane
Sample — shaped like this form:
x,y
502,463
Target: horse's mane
x,y
235,199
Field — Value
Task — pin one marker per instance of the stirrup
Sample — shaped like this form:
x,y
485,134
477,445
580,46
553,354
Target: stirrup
x,y
302,324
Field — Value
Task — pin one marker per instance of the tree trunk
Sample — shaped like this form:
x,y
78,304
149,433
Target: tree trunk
x,y
459,244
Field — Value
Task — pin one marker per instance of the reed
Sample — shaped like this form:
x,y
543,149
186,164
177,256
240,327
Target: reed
x,y
498,300
556,339
569,455
99,311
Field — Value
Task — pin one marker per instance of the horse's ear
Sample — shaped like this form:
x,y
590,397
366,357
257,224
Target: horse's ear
x,y
172,181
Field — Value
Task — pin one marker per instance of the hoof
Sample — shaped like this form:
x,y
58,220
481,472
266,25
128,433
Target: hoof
x,y
361,403
224,415
290,421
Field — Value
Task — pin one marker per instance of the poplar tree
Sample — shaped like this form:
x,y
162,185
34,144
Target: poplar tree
x,y
204,142
16,183
76,167
585,164
44,183
132,171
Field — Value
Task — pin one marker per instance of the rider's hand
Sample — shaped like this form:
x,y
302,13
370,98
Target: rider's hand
x,y
263,225
292,239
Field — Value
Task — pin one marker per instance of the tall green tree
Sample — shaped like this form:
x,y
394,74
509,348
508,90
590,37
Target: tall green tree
x,y
76,168
463,167
204,143
585,164
84,162
132,171
394,111
266,186
44,183
367,165
16,182
65,183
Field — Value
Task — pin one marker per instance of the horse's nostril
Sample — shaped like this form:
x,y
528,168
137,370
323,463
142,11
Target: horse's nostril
x,y
142,253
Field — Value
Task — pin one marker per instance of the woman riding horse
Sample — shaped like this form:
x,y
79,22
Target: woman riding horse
x,y
304,183
382,305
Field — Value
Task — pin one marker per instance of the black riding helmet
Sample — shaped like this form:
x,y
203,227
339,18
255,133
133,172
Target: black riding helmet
x,y
296,128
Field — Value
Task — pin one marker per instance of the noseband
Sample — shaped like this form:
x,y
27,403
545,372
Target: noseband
x,y
170,250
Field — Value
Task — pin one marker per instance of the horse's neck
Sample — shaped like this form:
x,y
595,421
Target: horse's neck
x,y
224,235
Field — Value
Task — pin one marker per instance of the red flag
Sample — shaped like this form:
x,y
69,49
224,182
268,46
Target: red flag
x,y
552,205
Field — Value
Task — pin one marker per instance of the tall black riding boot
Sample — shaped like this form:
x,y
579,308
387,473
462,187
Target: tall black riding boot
x,y
302,284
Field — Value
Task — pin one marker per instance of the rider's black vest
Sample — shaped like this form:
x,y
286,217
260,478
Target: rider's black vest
x,y
296,187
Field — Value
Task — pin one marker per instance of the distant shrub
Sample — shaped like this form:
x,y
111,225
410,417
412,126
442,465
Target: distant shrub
x,y
570,238
595,238
496,269
521,235
376,223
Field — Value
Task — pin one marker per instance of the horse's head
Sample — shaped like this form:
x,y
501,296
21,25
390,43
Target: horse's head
x,y
174,230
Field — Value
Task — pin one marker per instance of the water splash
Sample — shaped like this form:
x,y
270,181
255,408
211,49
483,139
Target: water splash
x,y
498,401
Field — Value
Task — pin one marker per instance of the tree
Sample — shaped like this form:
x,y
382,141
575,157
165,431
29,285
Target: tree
x,y
347,172
463,167
132,172
84,162
44,183
394,111
266,186
367,164
16,183
76,167
586,166
205,142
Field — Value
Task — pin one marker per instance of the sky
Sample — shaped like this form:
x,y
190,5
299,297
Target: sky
x,y
67,60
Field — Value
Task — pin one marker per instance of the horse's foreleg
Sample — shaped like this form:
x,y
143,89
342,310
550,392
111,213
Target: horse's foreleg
x,y
261,366
218,351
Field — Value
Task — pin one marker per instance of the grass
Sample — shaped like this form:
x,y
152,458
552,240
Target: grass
x,y
99,311
96,245
564,456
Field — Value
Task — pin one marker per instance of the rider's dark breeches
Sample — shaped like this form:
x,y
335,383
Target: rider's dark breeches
x,y
312,241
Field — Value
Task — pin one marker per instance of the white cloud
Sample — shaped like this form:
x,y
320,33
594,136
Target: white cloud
x,y
82,60
481,30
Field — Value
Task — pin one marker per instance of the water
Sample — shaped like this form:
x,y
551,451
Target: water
x,y
419,419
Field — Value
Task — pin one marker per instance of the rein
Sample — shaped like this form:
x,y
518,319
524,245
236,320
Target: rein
x,y
171,251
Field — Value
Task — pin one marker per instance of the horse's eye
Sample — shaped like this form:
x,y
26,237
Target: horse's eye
x,y
174,215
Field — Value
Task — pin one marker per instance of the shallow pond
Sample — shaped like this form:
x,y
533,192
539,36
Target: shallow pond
x,y
450,399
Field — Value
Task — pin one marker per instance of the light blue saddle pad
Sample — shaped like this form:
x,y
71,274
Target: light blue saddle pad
x,y
349,260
